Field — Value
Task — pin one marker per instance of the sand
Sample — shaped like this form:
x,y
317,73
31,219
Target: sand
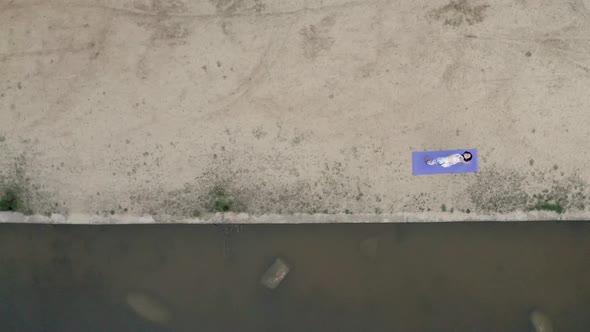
x,y
178,109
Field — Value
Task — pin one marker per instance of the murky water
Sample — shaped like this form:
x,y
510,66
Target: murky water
x,y
422,277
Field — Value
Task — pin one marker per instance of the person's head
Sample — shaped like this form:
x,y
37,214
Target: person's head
x,y
467,156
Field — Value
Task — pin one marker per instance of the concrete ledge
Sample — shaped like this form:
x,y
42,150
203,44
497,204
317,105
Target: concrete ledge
x,y
243,218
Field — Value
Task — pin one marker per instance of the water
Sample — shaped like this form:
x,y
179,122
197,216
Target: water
x,y
425,277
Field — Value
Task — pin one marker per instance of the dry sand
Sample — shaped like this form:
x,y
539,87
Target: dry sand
x,y
178,108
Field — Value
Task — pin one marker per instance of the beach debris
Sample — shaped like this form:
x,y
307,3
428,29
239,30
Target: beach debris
x,y
275,274
541,322
148,308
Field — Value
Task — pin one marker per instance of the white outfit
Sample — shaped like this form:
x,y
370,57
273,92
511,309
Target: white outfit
x,y
447,161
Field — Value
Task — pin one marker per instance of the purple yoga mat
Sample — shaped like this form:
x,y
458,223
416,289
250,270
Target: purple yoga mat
x,y
419,167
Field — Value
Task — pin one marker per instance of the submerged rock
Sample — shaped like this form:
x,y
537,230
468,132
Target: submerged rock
x,y
541,322
369,247
148,308
275,274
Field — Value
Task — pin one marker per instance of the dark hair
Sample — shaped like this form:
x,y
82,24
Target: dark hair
x,y
470,156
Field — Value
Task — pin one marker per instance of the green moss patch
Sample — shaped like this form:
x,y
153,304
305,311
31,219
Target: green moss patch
x,y
12,199
550,207
8,202
221,200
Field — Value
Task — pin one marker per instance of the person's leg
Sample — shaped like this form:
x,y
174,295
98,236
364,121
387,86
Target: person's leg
x,y
439,161
429,161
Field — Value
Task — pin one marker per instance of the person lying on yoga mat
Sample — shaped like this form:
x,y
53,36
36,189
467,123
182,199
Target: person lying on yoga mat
x,y
449,160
